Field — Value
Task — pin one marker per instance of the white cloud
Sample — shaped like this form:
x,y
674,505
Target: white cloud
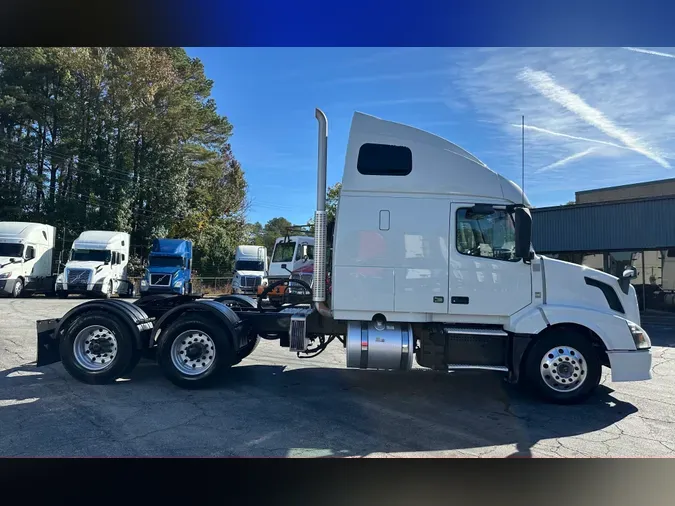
x,y
567,136
565,161
647,51
546,85
635,92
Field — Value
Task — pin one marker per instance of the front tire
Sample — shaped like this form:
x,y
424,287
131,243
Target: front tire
x,y
107,292
563,367
61,294
194,351
97,349
18,288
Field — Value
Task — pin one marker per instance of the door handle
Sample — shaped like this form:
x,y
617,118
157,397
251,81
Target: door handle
x,y
459,300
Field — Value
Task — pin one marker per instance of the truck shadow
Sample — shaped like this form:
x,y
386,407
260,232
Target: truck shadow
x,y
266,410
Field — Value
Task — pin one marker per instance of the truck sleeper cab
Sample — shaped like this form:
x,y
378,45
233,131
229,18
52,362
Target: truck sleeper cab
x,y
250,269
97,266
431,263
169,268
26,251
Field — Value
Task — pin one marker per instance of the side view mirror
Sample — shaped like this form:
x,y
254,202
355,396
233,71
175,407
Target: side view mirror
x,y
283,266
630,273
523,220
13,260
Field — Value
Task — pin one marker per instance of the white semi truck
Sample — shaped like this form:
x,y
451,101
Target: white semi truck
x,y
97,266
431,263
250,269
26,251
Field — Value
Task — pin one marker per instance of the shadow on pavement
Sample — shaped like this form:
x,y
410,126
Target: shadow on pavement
x,y
264,410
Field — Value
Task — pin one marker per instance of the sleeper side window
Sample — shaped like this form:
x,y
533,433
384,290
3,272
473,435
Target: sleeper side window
x,y
384,160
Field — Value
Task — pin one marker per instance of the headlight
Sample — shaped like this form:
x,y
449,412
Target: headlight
x,y
640,337
177,283
144,282
59,278
5,275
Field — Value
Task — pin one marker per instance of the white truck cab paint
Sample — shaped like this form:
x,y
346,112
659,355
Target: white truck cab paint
x,y
97,265
26,258
294,252
250,269
425,233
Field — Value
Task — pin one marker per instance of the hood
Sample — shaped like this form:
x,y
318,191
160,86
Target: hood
x,y
566,284
5,260
250,273
162,270
80,264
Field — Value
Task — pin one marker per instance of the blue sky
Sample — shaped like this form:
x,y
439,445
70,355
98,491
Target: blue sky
x,y
595,116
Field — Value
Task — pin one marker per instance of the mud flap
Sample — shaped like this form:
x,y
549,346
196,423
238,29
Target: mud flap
x,y
47,342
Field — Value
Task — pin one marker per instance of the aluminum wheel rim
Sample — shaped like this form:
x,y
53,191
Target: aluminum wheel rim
x,y
17,287
95,348
193,352
563,369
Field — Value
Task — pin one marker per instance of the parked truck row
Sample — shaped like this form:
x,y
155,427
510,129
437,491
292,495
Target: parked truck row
x,y
429,260
96,265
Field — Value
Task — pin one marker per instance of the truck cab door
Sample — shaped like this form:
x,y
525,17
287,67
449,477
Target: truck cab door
x,y
486,279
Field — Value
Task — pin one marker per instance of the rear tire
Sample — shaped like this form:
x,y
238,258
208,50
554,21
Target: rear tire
x,y
86,362
562,367
194,351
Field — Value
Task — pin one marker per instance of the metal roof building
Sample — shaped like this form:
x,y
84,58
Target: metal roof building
x,y
628,225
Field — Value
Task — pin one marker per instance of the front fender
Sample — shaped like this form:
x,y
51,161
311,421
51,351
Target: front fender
x,y
612,329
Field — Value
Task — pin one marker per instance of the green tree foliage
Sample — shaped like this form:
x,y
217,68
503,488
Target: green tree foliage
x,y
120,139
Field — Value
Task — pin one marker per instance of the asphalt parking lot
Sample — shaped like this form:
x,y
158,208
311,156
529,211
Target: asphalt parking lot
x,y
274,404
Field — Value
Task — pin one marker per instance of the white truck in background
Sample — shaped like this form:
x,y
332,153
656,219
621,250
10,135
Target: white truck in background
x,y
291,254
97,266
250,269
26,251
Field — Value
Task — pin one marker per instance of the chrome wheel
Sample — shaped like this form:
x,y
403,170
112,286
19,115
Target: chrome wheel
x,y
95,348
563,369
193,352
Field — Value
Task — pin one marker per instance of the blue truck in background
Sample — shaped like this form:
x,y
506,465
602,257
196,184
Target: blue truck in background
x,y
169,269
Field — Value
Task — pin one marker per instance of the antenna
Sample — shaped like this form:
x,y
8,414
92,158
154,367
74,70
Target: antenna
x,y
522,176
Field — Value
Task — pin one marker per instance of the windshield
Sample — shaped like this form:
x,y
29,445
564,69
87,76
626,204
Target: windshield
x,y
249,265
283,252
166,262
11,250
90,255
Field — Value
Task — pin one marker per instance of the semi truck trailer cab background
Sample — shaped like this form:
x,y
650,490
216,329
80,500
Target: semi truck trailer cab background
x,y
97,265
431,262
250,269
26,251
169,268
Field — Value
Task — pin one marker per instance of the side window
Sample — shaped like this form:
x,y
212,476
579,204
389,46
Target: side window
x,y
384,160
30,253
310,252
486,235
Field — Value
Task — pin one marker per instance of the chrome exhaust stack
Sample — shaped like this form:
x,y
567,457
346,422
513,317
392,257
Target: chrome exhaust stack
x,y
320,240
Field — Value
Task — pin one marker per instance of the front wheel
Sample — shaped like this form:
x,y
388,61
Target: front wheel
x,y
18,288
563,367
194,351
62,294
